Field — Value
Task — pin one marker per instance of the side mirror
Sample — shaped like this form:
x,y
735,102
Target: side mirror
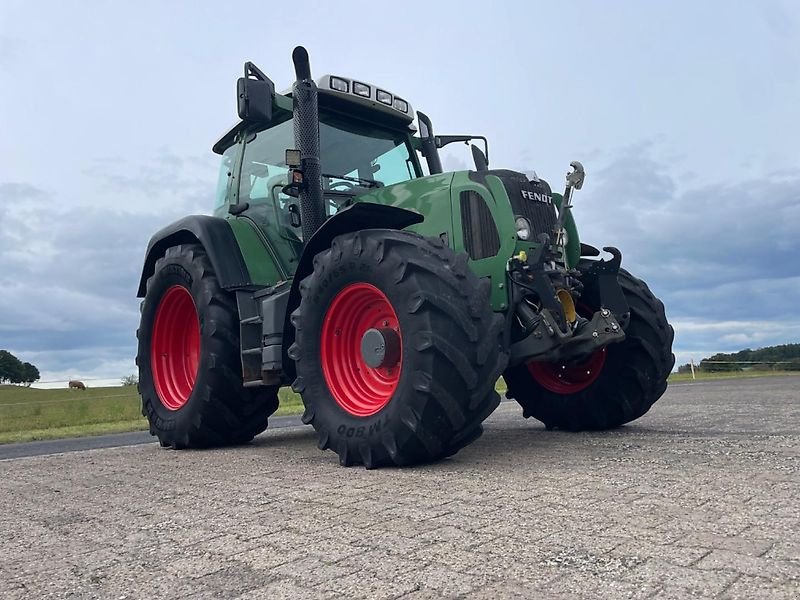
x,y
429,149
254,94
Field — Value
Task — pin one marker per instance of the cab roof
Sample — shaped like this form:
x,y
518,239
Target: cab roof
x,y
338,94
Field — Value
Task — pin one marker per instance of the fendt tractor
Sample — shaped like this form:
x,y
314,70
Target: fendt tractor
x,y
392,301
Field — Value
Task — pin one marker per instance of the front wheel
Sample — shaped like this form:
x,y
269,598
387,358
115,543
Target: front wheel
x,y
397,349
613,386
190,374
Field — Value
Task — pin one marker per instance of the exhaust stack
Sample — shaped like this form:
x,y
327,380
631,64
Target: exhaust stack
x,y
306,139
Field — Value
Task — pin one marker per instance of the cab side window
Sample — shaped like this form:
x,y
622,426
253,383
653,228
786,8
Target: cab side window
x,y
263,167
225,179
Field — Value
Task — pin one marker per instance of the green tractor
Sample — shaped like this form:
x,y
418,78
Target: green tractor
x,y
391,301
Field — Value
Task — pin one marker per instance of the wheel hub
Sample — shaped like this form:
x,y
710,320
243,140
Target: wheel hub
x,y
380,347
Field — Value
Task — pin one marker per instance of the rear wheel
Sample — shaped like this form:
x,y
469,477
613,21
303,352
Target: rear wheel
x,y
612,386
397,349
190,374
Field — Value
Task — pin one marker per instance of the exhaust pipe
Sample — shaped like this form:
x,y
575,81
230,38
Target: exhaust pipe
x,y
306,139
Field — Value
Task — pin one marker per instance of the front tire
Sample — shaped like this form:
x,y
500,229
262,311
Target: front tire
x,y
615,385
439,342
190,374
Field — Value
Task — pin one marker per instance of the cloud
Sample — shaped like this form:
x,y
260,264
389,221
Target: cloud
x,y
20,192
724,255
68,277
9,49
165,182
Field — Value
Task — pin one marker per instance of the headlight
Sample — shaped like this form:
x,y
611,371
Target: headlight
x,y
523,228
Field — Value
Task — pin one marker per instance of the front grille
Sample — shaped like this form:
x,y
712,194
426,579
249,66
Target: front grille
x,y
532,200
481,239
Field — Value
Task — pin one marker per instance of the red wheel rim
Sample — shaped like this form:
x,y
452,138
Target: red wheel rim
x,y
568,378
358,388
175,347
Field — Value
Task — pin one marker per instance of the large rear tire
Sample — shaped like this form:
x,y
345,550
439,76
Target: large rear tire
x,y
190,374
613,386
439,343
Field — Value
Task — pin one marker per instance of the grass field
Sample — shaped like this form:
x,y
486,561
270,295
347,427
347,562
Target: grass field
x,y
28,414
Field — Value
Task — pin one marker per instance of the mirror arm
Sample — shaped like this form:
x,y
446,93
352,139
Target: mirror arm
x,y
443,140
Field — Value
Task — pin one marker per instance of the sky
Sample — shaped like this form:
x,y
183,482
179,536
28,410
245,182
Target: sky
x,y
684,114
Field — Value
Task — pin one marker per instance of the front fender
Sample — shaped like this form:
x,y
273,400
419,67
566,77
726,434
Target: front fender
x,y
361,215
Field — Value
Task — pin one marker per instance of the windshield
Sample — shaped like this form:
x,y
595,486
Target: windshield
x,y
352,155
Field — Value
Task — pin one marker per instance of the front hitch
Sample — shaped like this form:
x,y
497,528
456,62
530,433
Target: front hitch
x,y
547,342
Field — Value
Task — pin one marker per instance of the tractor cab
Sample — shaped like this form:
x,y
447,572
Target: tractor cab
x,y
366,143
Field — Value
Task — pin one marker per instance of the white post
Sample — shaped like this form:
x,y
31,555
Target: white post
x,y
691,364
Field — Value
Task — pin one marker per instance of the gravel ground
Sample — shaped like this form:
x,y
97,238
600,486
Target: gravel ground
x,y
697,498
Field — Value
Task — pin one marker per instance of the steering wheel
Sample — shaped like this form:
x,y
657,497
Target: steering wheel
x,y
344,184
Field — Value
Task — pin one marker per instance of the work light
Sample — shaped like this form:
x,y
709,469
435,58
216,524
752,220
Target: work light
x,y
400,104
339,84
383,97
361,89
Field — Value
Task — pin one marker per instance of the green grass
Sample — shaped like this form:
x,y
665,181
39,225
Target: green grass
x,y
28,414
291,404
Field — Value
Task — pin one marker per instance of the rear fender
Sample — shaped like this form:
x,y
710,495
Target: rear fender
x,y
217,238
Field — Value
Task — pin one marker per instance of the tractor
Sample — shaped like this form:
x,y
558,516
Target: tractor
x,y
391,300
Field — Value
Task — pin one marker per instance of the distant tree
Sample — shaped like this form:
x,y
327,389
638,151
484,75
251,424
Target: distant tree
x,y
130,379
782,358
11,369
720,362
29,373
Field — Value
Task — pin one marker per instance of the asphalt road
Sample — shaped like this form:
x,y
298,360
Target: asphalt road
x,y
112,440
697,498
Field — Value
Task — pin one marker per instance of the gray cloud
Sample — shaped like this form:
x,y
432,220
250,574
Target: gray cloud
x,y
717,253
9,49
69,278
165,181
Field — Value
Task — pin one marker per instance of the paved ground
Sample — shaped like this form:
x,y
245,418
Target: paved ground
x,y
700,497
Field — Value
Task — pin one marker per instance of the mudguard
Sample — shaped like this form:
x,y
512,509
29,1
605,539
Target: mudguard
x,y
217,238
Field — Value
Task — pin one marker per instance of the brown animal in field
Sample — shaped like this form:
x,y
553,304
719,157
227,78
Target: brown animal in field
x,y
77,385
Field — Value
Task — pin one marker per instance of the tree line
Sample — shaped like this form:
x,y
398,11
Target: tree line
x,y
13,370
785,357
